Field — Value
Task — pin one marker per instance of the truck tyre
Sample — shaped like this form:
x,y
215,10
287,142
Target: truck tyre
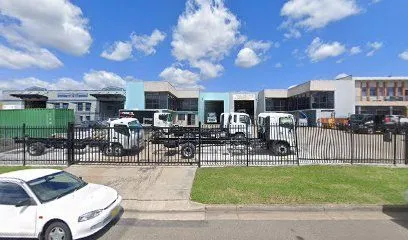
x,y
281,148
36,149
188,150
117,150
239,139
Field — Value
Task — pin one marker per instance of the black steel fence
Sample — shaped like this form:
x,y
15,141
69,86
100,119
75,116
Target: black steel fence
x,y
207,145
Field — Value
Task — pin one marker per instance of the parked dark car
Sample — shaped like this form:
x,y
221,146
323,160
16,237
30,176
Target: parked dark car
x,y
367,123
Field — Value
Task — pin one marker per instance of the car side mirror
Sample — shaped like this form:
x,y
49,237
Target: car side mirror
x,y
25,202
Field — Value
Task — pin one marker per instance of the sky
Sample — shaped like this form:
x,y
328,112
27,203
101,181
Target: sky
x,y
215,45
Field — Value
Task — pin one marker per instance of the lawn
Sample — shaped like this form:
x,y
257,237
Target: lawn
x,y
10,169
301,185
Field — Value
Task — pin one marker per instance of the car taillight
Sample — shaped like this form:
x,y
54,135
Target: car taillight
x,y
387,120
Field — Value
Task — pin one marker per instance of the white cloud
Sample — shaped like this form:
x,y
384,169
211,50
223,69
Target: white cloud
x,y
208,69
252,54
28,58
119,51
258,45
373,48
180,78
342,75
247,58
314,14
318,50
278,65
340,61
404,55
355,50
207,31
92,80
101,79
147,44
49,23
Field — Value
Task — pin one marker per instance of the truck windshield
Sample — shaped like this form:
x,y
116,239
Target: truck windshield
x,y
286,122
135,125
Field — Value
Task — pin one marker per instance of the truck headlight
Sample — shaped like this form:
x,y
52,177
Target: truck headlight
x,y
89,215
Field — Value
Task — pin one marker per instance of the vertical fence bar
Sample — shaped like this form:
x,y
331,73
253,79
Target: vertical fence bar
x,y
395,148
295,128
406,145
351,146
70,143
24,143
247,145
199,144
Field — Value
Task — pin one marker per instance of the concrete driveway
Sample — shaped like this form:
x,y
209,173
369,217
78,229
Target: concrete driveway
x,y
145,189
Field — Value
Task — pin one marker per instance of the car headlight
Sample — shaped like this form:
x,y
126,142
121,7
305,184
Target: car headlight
x,y
88,216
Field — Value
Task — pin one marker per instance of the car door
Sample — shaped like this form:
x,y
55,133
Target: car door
x,y
16,221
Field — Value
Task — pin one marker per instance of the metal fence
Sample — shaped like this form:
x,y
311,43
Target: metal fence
x,y
207,145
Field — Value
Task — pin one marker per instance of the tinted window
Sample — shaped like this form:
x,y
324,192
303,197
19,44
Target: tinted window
x,y
11,193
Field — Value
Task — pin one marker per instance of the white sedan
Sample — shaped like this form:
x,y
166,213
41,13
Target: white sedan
x,y
53,204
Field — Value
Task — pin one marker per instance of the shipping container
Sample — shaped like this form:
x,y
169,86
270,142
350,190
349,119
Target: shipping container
x,y
38,122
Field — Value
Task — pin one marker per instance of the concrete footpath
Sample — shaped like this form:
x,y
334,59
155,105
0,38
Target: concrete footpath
x,y
163,193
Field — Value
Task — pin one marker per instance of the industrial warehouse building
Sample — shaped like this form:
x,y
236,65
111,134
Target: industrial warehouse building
x,y
316,99
88,105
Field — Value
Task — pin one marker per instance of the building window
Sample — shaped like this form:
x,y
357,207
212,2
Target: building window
x,y
81,118
65,105
88,118
390,91
88,107
373,91
364,92
399,92
188,104
276,104
181,117
156,100
80,107
57,105
322,100
381,92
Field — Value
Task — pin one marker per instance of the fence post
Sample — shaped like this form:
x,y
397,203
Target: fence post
x,y
351,146
24,144
406,145
199,144
296,144
70,143
247,144
395,147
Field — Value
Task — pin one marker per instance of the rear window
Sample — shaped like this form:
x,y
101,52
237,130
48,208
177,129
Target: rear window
x,y
286,122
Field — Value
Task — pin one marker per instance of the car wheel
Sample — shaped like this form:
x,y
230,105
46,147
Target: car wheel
x,y
36,149
188,150
57,231
281,149
108,150
117,150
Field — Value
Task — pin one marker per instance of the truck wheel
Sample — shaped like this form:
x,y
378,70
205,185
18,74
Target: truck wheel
x,y
117,150
239,139
36,149
281,149
108,150
188,150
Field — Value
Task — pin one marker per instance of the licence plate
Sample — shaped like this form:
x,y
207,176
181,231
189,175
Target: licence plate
x,y
115,211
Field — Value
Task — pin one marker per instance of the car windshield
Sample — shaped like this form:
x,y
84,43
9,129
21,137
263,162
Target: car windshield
x,y
54,186
135,125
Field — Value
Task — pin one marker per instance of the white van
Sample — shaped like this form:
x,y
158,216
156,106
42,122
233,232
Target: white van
x,y
125,134
278,131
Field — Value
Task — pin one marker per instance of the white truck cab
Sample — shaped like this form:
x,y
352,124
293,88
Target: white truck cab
x,y
237,124
278,131
124,134
163,120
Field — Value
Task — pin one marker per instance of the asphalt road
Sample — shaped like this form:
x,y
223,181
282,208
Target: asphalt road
x,y
252,230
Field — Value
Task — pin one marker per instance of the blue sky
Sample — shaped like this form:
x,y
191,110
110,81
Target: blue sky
x,y
217,45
